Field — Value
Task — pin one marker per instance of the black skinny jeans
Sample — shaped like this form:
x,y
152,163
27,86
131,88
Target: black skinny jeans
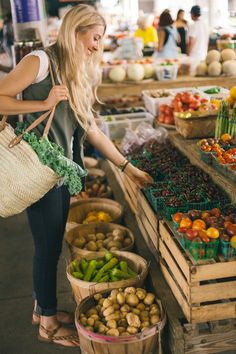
x,y
47,219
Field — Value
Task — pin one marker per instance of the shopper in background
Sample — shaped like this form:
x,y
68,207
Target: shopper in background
x,y
8,36
146,31
75,59
167,36
197,37
181,26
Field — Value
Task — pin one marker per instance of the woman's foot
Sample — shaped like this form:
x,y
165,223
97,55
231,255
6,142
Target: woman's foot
x,y
51,331
62,317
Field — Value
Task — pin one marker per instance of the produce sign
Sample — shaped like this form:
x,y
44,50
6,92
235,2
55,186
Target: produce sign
x,y
107,269
205,234
123,313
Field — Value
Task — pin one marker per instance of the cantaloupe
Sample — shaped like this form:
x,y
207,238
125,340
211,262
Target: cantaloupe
x,y
117,74
135,72
214,68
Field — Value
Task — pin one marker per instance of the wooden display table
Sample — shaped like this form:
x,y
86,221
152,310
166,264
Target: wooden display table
x,y
135,88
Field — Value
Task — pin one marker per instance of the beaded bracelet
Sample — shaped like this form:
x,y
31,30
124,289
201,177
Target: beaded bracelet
x,y
123,165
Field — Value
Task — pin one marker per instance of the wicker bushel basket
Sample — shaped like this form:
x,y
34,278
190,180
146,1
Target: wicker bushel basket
x,y
82,289
146,342
196,127
24,179
79,210
83,230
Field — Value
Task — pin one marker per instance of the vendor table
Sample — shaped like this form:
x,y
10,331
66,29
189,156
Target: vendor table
x,y
135,88
181,337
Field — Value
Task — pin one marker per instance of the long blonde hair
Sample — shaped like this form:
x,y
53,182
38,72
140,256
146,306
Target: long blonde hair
x,y
80,73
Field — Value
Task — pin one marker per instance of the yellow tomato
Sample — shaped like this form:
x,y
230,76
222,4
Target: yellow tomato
x,y
233,241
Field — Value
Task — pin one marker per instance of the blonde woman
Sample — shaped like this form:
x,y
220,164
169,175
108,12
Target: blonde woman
x,y
74,59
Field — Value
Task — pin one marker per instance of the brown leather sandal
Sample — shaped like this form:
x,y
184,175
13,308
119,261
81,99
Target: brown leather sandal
x,y
36,322
51,338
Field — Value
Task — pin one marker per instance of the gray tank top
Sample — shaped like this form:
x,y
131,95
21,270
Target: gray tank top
x,y
65,129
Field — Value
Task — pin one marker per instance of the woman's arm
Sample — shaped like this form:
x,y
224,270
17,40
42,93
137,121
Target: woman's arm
x,y
102,143
17,80
161,40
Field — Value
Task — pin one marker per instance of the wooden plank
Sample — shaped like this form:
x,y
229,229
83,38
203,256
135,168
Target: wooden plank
x,y
135,88
213,271
146,208
175,289
175,270
213,292
174,249
146,237
150,230
213,312
211,343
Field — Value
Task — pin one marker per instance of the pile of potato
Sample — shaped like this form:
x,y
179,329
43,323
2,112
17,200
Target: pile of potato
x,y
111,241
96,190
123,313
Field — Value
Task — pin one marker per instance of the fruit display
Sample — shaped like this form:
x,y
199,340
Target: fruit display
x,y
202,232
178,185
123,312
115,240
97,216
106,269
217,63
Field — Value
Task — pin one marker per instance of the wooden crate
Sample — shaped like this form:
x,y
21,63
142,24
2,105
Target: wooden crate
x,y
205,292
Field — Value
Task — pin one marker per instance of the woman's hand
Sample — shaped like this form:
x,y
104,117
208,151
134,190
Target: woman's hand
x,y
57,94
140,178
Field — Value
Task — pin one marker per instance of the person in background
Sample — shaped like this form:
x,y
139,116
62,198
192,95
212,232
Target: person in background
x,y
146,31
167,36
8,36
75,61
181,26
197,37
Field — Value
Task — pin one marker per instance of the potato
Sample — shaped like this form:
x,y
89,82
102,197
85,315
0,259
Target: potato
x,y
83,321
99,244
133,320
102,329
91,246
89,328
121,298
144,315
108,311
91,312
102,249
100,236
125,308
116,306
149,299
127,241
141,306
145,324
113,316
113,295
101,301
141,293
122,322
112,324
113,249
95,317
154,319
97,324
121,330
119,238
154,310
130,290
114,244
132,300
79,242
123,314
97,297
132,330
90,321
113,332
91,237
136,311
107,303
125,334
119,232
107,240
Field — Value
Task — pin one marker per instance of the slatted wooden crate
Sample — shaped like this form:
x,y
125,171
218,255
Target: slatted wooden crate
x,y
205,292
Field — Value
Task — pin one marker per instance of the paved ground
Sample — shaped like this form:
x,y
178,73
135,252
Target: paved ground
x,y
17,335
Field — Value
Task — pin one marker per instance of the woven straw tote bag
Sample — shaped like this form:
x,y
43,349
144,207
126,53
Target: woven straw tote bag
x,y
23,178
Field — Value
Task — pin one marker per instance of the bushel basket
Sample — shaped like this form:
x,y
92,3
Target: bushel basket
x,y
23,178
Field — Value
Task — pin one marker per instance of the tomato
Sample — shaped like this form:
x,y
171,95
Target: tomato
x,y
199,224
186,222
177,217
212,232
215,212
227,223
182,230
233,241
205,214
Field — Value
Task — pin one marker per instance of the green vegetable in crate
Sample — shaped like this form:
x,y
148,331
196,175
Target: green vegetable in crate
x,y
212,90
105,268
90,269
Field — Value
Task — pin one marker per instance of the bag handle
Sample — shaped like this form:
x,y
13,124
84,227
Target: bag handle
x,y
37,121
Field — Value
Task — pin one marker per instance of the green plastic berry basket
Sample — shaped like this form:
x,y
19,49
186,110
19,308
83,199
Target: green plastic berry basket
x,y
202,250
227,250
